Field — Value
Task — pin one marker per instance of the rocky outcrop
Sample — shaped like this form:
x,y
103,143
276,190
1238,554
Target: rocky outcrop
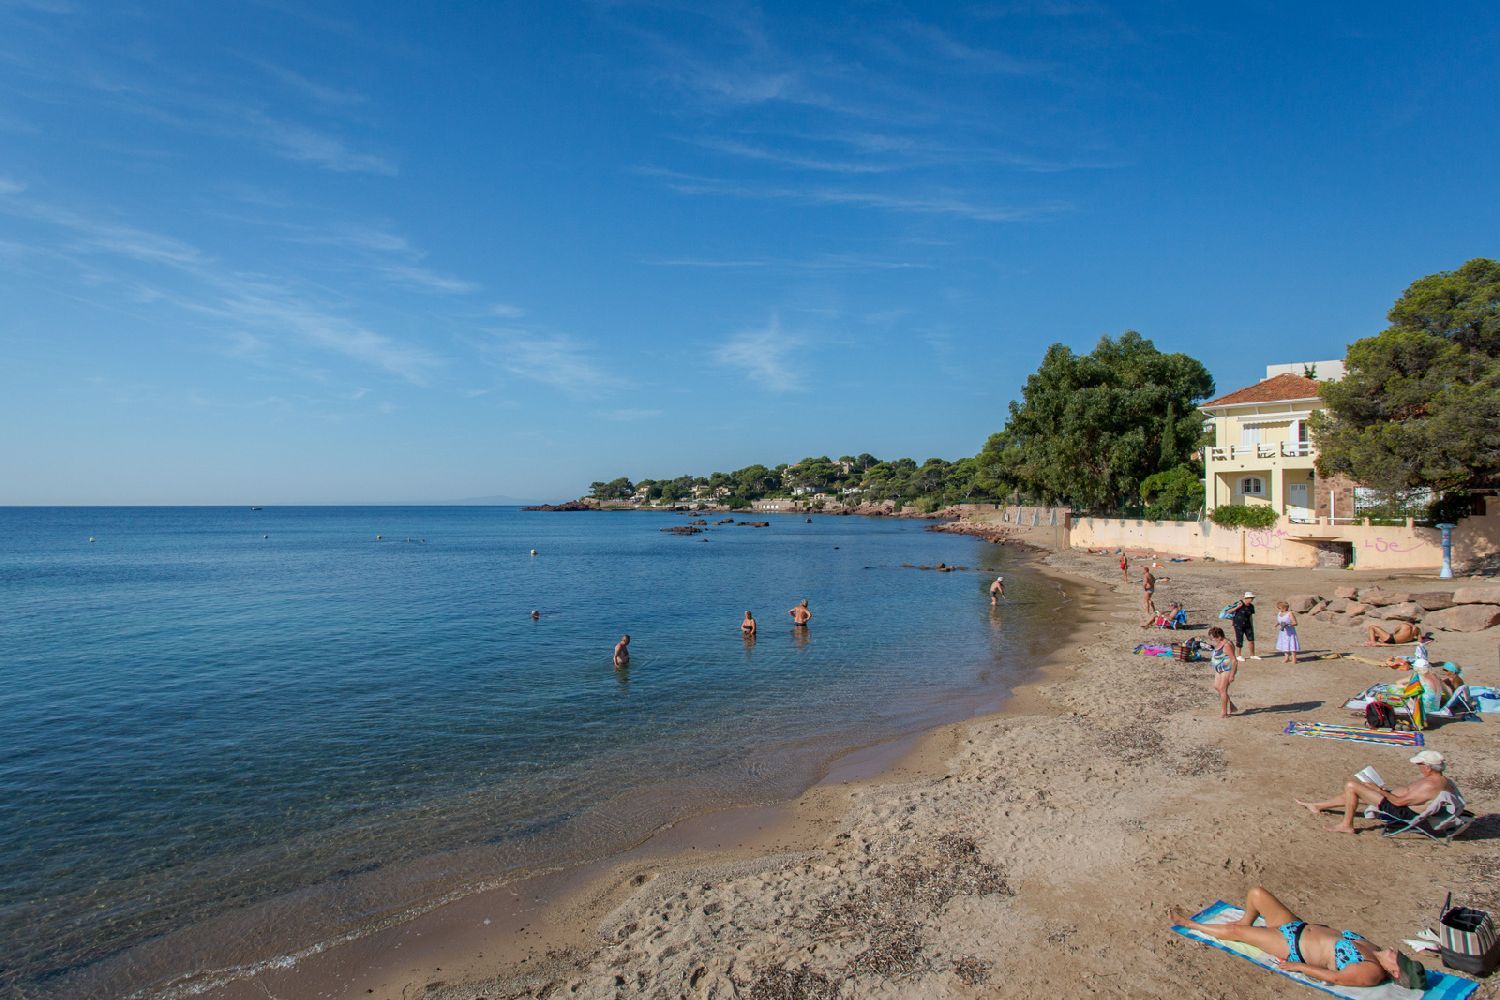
x,y
1434,600
683,529
1356,608
570,505
1489,594
1406,611
1301,604
1378,598
1464,618
1347,593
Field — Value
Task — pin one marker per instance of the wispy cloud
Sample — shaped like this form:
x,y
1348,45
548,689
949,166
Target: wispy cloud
x,y
790,159
9,186
308,87
921,204
504,310
421,277
821,262
307,145
553,359
627,415
763,356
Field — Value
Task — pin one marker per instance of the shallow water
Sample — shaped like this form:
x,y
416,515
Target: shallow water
x,y
229,734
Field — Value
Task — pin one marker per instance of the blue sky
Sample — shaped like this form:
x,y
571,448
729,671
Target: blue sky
x,y
291,252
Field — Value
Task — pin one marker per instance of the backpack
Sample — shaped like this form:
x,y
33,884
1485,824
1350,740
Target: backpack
x,y
1379,715
1227,612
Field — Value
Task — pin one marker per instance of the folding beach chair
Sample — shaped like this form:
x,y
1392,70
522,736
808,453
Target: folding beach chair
x,y
1444,818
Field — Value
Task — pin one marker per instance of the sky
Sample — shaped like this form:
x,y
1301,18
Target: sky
x,y
295,252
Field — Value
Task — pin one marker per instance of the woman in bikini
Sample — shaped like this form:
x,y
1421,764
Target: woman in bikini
x,y
1341,958
1226,664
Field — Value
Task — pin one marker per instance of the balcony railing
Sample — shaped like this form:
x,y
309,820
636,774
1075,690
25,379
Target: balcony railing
x,y
1285,449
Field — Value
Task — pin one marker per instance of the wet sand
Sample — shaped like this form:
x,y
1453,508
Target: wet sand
x,y
1032,852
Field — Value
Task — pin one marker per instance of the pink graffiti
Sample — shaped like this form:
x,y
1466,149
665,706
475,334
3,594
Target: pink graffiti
x,y
1387,545
1266,539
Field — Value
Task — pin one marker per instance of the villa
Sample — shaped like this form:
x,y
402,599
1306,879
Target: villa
x,y
1262,453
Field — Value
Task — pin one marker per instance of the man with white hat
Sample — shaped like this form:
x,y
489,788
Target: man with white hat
x,y
997,591
1398,803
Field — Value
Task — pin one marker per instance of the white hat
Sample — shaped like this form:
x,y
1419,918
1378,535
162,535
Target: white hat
x,y
1248,594
1431,758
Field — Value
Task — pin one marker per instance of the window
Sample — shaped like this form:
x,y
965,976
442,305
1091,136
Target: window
x,y
1253,486
1249,435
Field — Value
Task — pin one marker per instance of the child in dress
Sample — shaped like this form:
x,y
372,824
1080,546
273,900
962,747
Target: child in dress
x,y
1286,633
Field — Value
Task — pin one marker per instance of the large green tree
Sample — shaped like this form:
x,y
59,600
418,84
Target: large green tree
x,y
1419,405
1090,428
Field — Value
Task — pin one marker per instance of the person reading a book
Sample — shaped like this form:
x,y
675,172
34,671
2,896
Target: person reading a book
x,y
1340,958
1367,789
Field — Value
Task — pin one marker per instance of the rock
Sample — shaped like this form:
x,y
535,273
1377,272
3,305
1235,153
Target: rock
x,y
1406,611
1477,595
1377,598
1356,608
1300,604
1355,620
1434,600
1318,608
1339,604
1464,617
1347,593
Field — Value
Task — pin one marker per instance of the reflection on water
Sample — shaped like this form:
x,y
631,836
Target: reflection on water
x,y
228,745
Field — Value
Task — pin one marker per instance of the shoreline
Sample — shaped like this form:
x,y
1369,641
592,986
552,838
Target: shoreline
x,y
1041,844
529,923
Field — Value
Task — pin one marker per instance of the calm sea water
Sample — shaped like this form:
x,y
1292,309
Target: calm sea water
x,y
227,734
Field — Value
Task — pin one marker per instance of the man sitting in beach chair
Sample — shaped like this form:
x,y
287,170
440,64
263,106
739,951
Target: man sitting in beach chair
x,y
1444,818
1408,803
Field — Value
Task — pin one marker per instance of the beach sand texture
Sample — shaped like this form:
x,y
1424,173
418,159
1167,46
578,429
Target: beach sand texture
x,y
1030,853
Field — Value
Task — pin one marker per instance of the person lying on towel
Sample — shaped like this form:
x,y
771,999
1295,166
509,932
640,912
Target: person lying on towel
x,y
1320,953
1397,803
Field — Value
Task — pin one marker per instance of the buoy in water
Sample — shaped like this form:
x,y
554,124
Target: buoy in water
x,y
379,537
533,551
91,539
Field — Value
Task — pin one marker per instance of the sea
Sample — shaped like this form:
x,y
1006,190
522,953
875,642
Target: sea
x,y
231,736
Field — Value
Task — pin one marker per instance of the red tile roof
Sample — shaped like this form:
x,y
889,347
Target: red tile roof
x,y
1278,389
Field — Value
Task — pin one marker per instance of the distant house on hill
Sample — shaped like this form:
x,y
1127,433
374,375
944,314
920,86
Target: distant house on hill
x,y
1262,453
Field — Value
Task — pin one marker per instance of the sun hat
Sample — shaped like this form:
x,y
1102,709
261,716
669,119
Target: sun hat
x,y
1431,758
1409,972
1248,594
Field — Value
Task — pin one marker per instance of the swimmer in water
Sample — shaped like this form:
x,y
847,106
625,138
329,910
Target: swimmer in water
x,y
997,590
536,615
747,627
800,614
622,653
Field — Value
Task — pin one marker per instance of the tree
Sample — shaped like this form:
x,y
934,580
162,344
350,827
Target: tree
x,y
1090,428
1419,405
1173,494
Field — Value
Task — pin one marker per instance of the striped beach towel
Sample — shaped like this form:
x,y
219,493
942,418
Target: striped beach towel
x,y
1440,985
1354,734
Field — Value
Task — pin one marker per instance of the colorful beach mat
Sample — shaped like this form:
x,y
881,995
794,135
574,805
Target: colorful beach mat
x,y
1354,734
1440,985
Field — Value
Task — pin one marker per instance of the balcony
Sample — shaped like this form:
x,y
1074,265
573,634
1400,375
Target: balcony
x,y
1242,452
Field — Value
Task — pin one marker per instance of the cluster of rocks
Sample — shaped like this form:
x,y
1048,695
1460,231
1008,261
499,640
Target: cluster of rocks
x,y
1466,609
683,529
989,532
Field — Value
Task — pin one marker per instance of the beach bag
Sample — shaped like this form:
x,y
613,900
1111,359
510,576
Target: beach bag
x,y
1227,612
1467,940
1379,715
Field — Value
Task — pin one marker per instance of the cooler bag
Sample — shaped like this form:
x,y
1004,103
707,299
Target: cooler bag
x,y
1467,940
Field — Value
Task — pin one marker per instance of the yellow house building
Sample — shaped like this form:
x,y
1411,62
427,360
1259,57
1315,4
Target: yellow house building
x,y
1262,453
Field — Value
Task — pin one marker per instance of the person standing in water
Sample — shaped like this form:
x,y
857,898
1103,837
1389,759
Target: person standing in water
x,y
800,614
747,627
997,590
622,653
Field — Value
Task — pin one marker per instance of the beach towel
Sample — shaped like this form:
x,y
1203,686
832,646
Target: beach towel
x,y
1152,649
1354,734
1486,698
1440,985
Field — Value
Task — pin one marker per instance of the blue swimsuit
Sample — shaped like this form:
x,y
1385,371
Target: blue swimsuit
x,y
1344,952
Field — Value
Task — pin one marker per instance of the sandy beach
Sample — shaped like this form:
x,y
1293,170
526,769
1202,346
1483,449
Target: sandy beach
x,y
1034,852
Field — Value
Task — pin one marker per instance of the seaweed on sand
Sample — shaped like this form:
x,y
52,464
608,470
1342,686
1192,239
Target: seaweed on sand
x,y
801,983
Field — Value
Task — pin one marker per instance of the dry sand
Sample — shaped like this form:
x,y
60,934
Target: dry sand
x,y
1030,853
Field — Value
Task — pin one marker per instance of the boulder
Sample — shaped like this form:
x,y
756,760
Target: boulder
x,y
1302,603
1377,598
1339,604
1434,600
1406,611
1356,608
1477,595
1317,608
1464,618
1347,593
